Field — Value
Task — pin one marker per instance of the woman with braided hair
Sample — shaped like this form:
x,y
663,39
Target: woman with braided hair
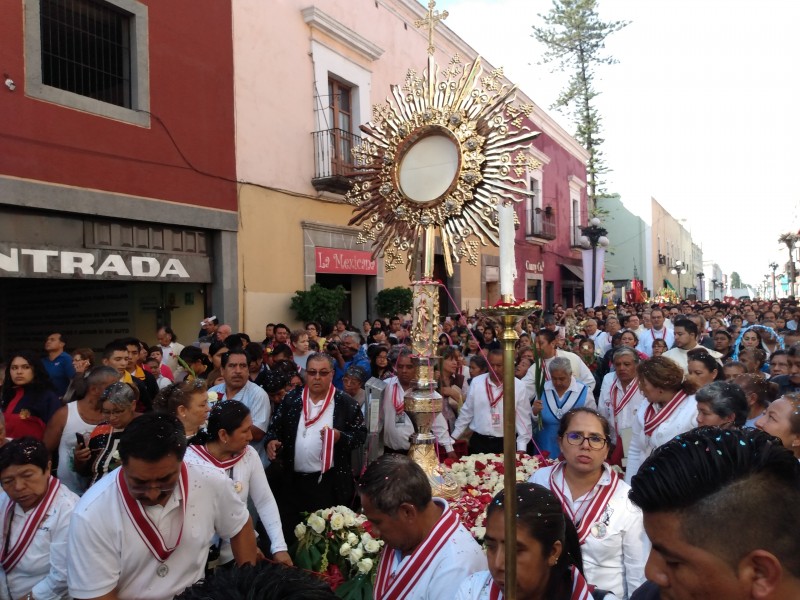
x,y
549,563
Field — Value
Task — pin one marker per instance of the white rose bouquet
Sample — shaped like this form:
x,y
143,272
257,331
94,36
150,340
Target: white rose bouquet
x,y
337,542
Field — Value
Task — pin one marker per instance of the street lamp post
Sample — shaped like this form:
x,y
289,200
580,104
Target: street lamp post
x,y
713,289
594,235
774,266
679,269
700,277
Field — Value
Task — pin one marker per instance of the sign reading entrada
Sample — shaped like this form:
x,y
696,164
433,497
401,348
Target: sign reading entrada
x,y
91,263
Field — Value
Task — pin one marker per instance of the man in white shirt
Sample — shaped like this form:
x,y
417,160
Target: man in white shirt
x,y
657,331
603,342
427,551
395,423
685,332
238,386
170,348
308,420
591,330
546,343
143,531
482,411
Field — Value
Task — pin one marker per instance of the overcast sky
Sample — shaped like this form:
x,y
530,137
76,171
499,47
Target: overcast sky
x,y
700,113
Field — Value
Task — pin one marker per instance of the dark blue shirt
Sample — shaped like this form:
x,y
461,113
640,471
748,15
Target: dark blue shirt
x,y
61,371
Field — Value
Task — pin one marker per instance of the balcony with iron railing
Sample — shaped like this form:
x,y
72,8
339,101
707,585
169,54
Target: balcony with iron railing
x,y
540,223
333,160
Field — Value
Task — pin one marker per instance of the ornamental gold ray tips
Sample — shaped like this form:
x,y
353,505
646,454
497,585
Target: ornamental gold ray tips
x,y
443,151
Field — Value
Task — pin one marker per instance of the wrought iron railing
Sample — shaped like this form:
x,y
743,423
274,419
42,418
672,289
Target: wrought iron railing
x,y
541,223
332,153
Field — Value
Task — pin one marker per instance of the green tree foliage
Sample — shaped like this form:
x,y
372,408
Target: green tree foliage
x,y
736,280
394,301
319,303
575,38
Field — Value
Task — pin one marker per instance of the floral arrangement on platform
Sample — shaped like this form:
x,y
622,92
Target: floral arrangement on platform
x,y
337,542
481,477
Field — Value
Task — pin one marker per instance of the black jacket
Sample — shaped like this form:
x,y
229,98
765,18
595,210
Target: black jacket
x,y
347,419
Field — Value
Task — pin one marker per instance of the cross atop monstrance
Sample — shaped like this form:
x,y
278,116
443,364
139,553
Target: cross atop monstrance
x,y
447,156
430,21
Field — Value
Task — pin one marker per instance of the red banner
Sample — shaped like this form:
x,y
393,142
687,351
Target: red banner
x,y
345,262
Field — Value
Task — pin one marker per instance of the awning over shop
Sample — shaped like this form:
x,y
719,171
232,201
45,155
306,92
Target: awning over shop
x,y
575,270
668,284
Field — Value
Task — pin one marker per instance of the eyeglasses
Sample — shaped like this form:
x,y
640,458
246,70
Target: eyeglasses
x,y
322,373
596,442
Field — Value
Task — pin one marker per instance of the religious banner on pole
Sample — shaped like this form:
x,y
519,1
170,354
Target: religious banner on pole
x,y
593,266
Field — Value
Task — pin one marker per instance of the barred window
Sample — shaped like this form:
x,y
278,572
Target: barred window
x,y
86,49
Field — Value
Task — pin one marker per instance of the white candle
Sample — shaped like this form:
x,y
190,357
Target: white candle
x,y
505,215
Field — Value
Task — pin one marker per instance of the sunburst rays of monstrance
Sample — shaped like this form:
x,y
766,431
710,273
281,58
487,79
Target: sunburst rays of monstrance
x,y
446,154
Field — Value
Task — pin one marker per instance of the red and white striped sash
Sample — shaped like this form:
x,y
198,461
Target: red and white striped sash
x,y
203,453
11,555
398,401
493,400
580,588
585,519
653,419
633,387
399,586
309,421
328,440
144,526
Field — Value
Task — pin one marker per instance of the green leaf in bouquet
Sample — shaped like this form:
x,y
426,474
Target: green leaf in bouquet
x,y
357,588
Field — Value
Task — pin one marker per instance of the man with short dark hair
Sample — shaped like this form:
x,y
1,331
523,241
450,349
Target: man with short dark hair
x,y
657,330
427,551
58,363
170,348
314,432
685,333
143,531
394,422
237,386
281,335
693,491
79,417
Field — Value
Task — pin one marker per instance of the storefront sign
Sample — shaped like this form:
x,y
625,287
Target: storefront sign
x,y
534,267
345,262
100,264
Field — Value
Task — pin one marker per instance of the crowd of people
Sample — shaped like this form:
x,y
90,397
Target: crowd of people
x,y
143,469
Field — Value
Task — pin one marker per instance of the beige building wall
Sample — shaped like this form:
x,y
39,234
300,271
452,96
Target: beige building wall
x,y
672,242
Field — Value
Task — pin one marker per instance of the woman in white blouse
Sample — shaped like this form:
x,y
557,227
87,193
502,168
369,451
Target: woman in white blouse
x,y
669,409
36,510
613,542
229,449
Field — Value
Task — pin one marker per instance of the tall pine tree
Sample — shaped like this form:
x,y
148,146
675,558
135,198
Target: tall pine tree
x,y
574,37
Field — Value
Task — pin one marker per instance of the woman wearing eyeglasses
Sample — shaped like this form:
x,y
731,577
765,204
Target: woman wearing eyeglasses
x,y
613,542
101,456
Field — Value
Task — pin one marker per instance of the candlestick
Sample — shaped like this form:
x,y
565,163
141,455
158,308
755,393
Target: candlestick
x,y
505,213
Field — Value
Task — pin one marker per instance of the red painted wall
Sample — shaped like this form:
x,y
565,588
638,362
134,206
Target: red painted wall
x,y
191,91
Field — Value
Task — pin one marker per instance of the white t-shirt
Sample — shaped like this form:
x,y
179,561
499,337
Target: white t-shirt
x,y
616,561
43,567
248,476
105,551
